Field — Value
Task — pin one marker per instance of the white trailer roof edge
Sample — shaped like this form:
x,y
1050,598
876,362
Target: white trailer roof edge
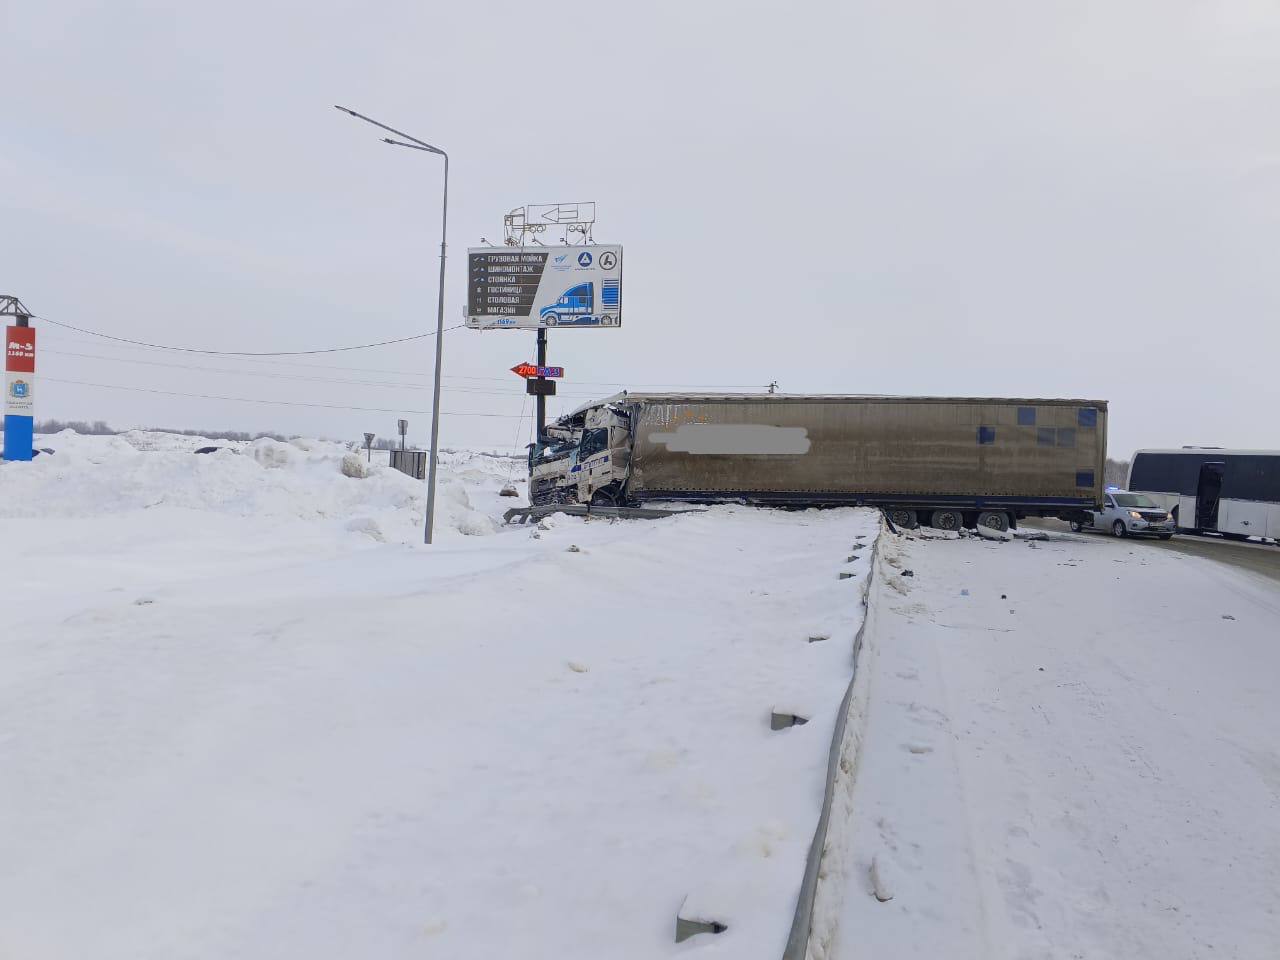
x,y
1213,451
820,398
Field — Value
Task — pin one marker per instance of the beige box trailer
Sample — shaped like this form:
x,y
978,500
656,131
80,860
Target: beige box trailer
x,y
1025,457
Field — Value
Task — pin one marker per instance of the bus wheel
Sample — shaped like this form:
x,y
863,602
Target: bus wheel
x,y
994,520
1117,529
946,520
902,518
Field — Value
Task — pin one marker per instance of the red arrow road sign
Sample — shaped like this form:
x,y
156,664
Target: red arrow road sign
x,y
529,371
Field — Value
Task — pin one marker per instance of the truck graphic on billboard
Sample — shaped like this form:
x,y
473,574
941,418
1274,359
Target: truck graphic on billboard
x,y
573,306
528,288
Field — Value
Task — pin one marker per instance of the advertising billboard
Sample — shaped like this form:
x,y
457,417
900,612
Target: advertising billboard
x,y
527,288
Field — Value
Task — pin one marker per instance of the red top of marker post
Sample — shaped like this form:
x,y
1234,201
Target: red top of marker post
x,y
20,350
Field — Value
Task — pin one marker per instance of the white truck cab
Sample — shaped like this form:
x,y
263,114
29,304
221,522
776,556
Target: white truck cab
x,y
1126,514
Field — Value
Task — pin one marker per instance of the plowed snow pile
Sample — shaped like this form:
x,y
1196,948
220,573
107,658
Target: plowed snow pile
x,y
269,481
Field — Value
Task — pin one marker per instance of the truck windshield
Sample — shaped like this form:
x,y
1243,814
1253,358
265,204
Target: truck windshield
x,y
593,441
1134,500
546,452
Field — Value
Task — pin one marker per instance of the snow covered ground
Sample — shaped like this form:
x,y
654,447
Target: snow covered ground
x,y
1070,749
245,713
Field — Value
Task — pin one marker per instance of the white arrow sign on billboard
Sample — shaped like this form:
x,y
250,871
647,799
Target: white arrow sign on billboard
x,y
561,213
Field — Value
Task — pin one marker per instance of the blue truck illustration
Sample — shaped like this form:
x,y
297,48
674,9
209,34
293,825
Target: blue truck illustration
x,y
575,305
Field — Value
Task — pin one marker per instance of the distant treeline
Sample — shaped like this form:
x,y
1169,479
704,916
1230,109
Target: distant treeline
x,y
1116,474
225,434
100,428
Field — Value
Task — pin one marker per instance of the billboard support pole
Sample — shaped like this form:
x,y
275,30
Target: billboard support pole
x,y
541,398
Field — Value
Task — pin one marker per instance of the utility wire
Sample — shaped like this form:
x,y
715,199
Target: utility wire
x,y
515,441
454,376
285,376
278,403
244,353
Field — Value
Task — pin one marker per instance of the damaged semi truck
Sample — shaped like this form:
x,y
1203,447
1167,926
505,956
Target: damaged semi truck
x,y
945,462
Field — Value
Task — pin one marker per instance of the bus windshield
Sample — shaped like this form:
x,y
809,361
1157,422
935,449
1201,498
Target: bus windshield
x,y
1134,500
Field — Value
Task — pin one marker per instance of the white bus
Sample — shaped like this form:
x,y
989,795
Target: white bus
x,y
1232,492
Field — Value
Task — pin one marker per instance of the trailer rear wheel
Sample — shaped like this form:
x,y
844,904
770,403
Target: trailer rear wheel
x,y
994,520
946,520
903,518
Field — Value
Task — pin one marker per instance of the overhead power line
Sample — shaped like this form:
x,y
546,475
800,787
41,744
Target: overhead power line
x,y
448,376
245,353
271,375
278,403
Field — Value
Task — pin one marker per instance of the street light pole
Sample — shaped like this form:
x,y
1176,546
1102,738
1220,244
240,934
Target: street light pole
x,y
417,144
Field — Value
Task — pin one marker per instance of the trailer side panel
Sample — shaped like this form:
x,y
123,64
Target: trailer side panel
x,y
872,449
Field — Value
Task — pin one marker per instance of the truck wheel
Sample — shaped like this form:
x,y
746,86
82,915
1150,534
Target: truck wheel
x,y
551,319
902,518
946,520
994,520
606,496
1118,530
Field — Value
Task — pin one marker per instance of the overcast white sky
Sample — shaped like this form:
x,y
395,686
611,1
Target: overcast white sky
x,y
995,199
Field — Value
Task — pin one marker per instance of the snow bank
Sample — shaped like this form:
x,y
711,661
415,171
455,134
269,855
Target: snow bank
x,y
217,742
265,480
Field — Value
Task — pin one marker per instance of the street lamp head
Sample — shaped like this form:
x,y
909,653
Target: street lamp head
x,y
416,144
420,145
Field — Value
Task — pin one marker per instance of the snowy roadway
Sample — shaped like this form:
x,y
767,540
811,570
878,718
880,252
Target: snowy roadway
x,y
1071,750
234,723
1257,556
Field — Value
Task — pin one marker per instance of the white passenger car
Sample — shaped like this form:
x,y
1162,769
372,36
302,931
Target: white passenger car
x,y
1126,514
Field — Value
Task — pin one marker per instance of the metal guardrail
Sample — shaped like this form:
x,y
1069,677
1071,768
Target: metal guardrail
x,y
802,922
412,462
525,514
